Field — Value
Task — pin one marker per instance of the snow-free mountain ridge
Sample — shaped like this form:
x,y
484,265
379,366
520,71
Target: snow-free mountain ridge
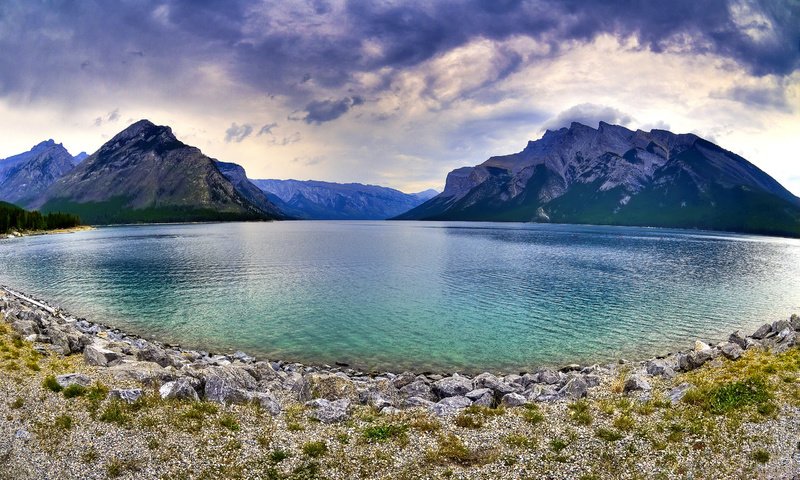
x,y
613,175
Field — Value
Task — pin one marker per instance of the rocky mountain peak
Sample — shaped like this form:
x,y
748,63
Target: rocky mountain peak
x,y
143,131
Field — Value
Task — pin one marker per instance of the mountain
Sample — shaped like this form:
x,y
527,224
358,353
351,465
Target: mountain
x,y
339,201
237,176
80,157
25,176
145,174
615,176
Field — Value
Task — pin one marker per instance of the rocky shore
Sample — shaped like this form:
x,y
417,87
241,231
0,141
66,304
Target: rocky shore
x,y
467,416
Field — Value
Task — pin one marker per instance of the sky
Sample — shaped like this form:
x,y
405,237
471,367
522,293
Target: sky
x,y
398,93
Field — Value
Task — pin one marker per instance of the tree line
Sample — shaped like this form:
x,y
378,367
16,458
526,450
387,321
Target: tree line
x,y
15,218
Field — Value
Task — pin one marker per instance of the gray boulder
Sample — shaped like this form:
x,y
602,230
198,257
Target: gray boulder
x,y
575,388
762,331
146,373
780,325
331,387
676,394
548,377
128,395
450,405
98,355
513,400
636,383
417,388
785,339
327,411
485,400
487,380
228,385
478,393
731,351
267,402
794,321
412,402
180,389
73,379
739,338
661,368
452,386
403,379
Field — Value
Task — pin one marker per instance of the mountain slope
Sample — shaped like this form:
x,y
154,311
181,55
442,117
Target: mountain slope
x,y
238,177
612,175
25,176
145,174
339,201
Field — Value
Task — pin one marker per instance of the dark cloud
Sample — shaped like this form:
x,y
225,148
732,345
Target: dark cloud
x,y
588,114
57,48
321,111
237,133
766,97
111,117
267,129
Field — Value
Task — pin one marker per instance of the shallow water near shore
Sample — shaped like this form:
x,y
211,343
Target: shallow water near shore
x,y
439,296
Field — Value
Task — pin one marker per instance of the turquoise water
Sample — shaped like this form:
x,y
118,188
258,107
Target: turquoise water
x,y
417,295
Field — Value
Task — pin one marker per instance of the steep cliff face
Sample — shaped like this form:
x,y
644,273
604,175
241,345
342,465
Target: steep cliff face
x,y
25,176
612,175
145,174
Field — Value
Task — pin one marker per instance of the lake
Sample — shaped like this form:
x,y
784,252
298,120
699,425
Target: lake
x,y
436,296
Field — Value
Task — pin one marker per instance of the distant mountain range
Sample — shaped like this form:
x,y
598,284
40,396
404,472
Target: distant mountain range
x,y
24,177
145,174
340,201
615,176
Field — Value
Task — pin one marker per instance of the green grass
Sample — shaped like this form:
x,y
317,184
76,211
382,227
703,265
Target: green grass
x,y
726,397
580,412
50,383
383,433
465,420
315,449
532,414
761,456
17,404
559,444
115,413
63,422
229,421
74,390
278,455
607,434
450,449
520,441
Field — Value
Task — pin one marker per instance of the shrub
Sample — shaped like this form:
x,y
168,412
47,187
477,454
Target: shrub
x,y
520,441
580,412
63,421
51,384
465,420
115,413
315,449
532,414
73,391
761,456
278,455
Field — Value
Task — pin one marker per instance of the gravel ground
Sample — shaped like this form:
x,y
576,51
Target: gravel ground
x,y
45,435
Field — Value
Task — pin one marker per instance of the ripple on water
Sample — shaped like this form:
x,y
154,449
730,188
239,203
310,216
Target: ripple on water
x,y
437,296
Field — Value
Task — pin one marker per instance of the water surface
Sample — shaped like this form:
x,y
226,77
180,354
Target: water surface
x,y
418,295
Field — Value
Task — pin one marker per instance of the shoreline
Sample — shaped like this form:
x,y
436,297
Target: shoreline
x,y
56,231
90,401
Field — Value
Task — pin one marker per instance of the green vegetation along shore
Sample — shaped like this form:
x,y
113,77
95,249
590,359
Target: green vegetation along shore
x,y
14,218
74,409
